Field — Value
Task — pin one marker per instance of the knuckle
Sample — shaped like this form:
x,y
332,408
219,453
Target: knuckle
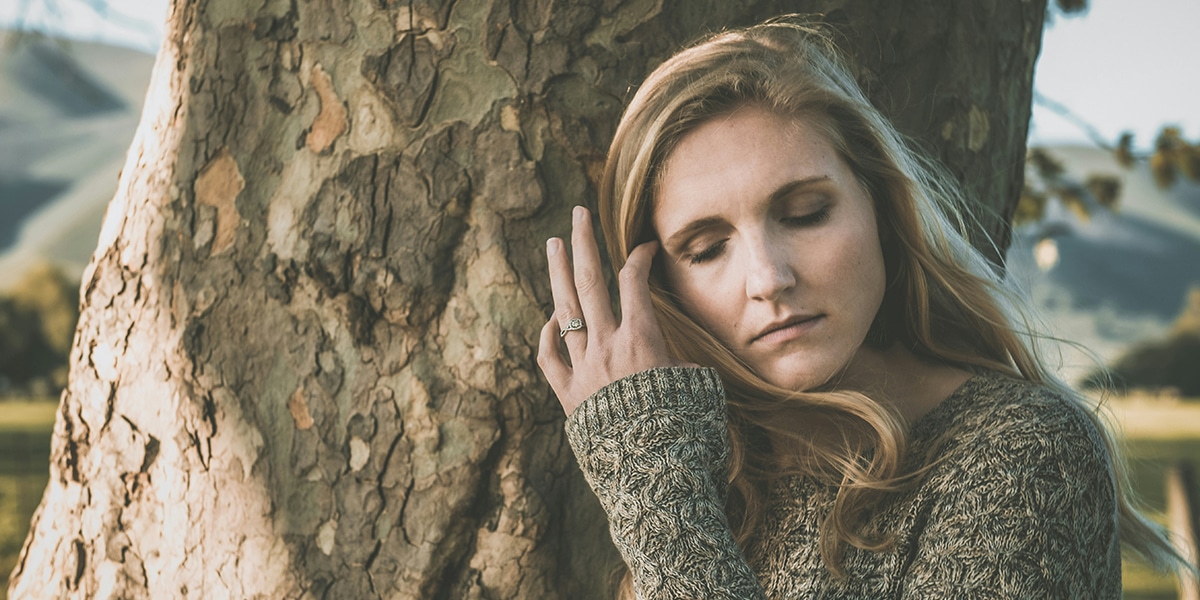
x,y
565,313
630,275
586,281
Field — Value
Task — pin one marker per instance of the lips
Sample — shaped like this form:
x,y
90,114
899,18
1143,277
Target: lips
x,y
786,328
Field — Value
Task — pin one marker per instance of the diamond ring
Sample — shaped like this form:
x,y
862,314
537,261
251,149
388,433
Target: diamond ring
x,y
574,324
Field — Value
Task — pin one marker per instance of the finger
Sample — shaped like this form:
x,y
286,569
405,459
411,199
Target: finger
x,y
634,282
566,303
589,274
550,359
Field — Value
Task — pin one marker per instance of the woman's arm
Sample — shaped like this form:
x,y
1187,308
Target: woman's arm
x,y
655,449
647,429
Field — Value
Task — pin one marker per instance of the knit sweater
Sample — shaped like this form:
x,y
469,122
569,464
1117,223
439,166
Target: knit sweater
x,y
1020,503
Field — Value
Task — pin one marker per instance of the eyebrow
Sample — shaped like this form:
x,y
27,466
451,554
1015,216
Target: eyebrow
x,y
780,192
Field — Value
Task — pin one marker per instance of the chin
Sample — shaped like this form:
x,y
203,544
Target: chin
x,y
801,378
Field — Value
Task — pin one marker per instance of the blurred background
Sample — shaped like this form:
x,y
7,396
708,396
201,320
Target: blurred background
x,y
1106,244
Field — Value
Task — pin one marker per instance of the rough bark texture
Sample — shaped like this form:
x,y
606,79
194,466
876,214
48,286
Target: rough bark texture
x,y
305,362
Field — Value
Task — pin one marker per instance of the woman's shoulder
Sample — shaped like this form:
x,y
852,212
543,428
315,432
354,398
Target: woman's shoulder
x,y
995,414
1020,496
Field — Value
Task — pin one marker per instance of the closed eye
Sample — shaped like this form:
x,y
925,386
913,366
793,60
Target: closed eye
x,y
707,254
808,220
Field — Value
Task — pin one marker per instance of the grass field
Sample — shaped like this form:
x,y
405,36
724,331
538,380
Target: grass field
x,y
25,429
1159,433
1149,461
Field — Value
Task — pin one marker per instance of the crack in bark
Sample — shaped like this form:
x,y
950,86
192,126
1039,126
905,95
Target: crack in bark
x,y
371,561
209,415
80,563
151,448
449,10
412,482
71,446
423,111
201,452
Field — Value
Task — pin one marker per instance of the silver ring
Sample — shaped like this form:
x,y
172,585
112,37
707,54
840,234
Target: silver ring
x,y
575,324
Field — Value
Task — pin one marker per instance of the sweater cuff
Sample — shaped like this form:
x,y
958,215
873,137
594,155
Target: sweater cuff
x,y
684,390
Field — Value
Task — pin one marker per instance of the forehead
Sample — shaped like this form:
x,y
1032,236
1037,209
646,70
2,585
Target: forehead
x,y
736,160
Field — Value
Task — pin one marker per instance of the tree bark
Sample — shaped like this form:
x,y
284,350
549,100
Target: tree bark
x,y
305,362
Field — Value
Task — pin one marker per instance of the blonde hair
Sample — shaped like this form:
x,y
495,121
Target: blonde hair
x,y
943,301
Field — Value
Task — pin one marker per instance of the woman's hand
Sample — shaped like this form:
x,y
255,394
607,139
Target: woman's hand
x,y
604,350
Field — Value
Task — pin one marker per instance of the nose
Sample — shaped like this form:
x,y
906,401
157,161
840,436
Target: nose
x,y
768,270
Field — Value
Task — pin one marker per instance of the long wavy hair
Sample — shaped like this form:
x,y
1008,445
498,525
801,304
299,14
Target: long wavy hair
x,y
943,300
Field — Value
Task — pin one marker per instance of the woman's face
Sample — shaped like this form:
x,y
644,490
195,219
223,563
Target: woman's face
x,y
771,244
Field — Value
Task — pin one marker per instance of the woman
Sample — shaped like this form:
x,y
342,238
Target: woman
x,y
816,387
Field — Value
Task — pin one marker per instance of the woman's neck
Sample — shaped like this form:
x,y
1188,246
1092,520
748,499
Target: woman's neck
x,y
913,386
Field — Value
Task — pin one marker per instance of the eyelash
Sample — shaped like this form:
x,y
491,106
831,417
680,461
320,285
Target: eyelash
x,y
714,250
707,254
810,219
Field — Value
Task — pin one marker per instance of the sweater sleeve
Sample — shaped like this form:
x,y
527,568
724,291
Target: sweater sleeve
x,y
655,449
1028,512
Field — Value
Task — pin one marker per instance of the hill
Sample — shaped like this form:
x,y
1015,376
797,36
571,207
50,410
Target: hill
x,y
68,111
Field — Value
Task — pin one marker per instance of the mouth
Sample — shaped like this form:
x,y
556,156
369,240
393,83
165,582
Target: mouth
x,y
787,328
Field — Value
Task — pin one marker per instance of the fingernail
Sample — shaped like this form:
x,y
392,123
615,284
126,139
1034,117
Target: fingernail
x,y
552,246
580,213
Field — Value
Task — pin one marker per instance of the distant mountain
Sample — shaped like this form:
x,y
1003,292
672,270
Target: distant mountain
x,y
48,73
68,111
1118,278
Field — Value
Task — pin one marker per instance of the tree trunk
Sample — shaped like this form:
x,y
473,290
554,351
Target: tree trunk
x,y
305,363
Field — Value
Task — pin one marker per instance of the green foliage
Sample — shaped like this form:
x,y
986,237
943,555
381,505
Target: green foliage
x,y
1072,6
54,299
1167,363
1173,158
37,325
1106,189
1046,179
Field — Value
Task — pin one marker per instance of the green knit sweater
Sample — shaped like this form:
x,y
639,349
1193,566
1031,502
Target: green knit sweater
x,y
1021,503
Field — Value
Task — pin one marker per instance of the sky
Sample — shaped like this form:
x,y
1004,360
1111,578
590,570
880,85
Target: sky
x,y
136,24
1121,66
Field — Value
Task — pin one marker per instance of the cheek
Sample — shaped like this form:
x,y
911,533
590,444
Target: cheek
x,y
707,300
873,276
860,267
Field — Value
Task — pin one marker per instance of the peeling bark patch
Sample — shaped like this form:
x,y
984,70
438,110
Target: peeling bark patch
x,y
360,452
218,186
385,231
510,118
277,29
411,19
510,182
103,359
331,122
406,75
978,128
326,536
299,409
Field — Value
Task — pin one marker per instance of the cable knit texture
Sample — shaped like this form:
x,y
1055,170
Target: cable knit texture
x,y
1020,503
